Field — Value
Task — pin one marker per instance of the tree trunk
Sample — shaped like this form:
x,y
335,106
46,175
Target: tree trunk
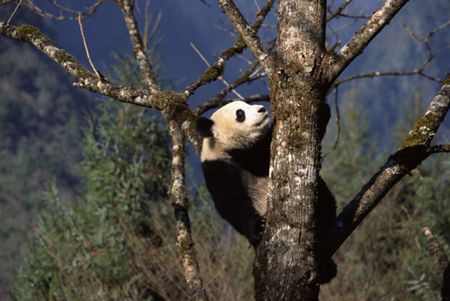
x,y
286,264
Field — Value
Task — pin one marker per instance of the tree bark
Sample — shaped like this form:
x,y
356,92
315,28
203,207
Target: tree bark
x,y
285,266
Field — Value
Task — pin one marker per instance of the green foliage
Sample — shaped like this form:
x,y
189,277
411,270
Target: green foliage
x,y
40,120
117,242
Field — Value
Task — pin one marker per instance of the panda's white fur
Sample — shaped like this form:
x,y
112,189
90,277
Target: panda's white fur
x,y
229,134
235,160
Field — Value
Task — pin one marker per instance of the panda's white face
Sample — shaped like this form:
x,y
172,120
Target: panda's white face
x,y
237,125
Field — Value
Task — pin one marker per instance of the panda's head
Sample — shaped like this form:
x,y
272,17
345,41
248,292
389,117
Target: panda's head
x,y
237,125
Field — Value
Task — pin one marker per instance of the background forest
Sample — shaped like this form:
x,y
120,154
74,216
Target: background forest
x,y
83,210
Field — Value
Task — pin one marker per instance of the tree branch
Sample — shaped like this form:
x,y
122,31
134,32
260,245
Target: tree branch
x,y
89,11
248,34
338,11
418,71
172,104
217,100
444,148
180,203
412,151
364,35
139,49
438,251
216,70
373,74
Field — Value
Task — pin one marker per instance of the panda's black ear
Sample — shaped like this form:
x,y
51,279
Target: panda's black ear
x,y
204,127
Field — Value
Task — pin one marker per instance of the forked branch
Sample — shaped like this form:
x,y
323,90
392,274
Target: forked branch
x,y
216,70
248,34
364,35
66,12
412,151
421,68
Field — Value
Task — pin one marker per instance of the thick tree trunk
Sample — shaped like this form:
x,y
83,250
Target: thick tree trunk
x,y
286,265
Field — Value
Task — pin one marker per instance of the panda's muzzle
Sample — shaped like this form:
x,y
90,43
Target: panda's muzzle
x,y
266,116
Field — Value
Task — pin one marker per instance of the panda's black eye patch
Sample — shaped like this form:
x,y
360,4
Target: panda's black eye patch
x,y
240,115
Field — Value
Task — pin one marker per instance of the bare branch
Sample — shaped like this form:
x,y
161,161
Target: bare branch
x,y
215,102
14,11
412,151
80,24
373,74
338,11
180,202
444,148
171,103
216,70
418,71
139,49
243,79
436,248
438,251
89,11
248,34
203,58
84,78
364,35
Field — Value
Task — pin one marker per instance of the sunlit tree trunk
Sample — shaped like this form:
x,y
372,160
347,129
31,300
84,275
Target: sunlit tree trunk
x,y
286,265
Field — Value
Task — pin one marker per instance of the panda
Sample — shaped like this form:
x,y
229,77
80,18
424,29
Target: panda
x,y
235,158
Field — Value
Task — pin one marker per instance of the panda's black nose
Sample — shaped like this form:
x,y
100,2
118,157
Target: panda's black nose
x,y
262,110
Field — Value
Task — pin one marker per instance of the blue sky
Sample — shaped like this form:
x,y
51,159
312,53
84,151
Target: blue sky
x,y
186,21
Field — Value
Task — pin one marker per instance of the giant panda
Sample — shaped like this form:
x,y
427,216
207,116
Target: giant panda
x,y
235,158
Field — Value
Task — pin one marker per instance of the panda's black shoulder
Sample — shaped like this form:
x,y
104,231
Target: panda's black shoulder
x,y
218,168
255,159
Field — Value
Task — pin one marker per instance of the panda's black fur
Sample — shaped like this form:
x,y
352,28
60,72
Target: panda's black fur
x,y
236,170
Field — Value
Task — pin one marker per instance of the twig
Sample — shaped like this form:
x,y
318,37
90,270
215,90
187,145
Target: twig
x,y
216,100
248,34
256,4
203,58
86,13
374,74
418,71
364,35
14,12
338,11
180,202
80,24
216,70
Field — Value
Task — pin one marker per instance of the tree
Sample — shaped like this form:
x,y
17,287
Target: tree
x,y
301,70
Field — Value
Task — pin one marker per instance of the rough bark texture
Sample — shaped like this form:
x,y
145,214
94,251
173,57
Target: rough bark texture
x,y
286,267
438,251
139,49
180,202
